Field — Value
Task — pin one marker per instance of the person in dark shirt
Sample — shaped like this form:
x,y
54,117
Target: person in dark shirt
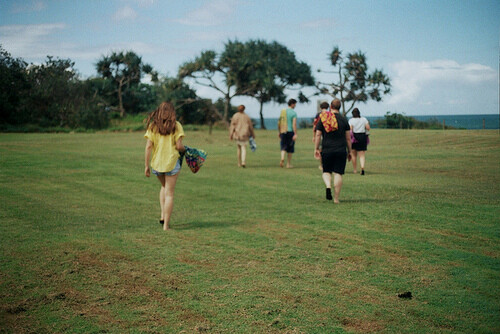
x,y
336,147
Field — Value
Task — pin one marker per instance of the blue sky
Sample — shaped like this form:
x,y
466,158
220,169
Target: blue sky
x,y
442,56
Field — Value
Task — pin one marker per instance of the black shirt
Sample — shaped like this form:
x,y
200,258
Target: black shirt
x,y
334,141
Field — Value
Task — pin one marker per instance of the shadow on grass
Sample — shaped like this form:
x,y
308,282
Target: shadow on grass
x,y
365,200
204,224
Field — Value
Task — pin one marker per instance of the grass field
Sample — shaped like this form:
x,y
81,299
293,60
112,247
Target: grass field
x,y
255,250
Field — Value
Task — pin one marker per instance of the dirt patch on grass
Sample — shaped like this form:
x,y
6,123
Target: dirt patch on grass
x,y
362,325
104,286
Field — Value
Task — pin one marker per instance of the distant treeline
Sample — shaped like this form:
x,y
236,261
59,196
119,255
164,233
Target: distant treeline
x,y
52,97
400,121
395,121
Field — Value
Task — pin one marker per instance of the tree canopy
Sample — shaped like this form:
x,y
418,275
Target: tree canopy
x,y
13,86
125,69
226,72
255,68
355,84
53,95
273,69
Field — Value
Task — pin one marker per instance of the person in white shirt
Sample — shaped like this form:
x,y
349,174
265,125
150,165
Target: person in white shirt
x,y
359,128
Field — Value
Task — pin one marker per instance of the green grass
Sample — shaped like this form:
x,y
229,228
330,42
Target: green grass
x,y
255,250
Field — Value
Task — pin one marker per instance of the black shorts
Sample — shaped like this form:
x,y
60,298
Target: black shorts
x,y
334,162
287,143
362,142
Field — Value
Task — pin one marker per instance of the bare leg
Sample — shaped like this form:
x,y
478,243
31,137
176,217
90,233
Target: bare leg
x,y
354,158
243,154
362,159
168,187
337,183
282,161
161,178
327,178
239,155
289,162
170,182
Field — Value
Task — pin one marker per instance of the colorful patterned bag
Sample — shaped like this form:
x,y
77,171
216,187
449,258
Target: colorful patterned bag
x,y
194,158
253,144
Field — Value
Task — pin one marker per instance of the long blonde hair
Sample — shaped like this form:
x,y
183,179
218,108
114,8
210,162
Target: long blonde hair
x,y
162,119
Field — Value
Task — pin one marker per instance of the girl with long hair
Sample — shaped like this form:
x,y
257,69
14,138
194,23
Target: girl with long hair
x,y
163,153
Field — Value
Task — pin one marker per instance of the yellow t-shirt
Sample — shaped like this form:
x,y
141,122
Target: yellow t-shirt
x,y
165,155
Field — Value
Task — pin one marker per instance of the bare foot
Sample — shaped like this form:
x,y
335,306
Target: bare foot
x,y
166,227
282,163
289,166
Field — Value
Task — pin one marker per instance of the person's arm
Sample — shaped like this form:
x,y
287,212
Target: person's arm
x,y
179,146
317,139
231,128
147,156
294,124
367,126
349,147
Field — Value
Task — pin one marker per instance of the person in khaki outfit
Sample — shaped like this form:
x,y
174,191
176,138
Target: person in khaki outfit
x,y
240,130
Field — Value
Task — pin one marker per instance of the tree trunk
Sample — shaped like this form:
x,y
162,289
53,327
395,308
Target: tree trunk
x,y
226,108
262,125
120,99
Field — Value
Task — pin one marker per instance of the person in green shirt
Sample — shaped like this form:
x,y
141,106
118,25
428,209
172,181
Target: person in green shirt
x,y
288,138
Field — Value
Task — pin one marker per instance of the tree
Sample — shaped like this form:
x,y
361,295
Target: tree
x,y
273,69
14,86
185,100
210,68
126,71
354,83
53,92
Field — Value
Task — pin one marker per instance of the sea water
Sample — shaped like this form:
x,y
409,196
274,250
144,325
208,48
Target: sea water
x,y
469,122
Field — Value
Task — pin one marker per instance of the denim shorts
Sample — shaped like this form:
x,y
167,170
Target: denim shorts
x,y
174,171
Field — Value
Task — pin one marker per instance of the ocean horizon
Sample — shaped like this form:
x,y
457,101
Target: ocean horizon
x,y
468,122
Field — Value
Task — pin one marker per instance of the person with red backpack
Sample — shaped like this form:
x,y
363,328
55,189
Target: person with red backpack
x,y
336,147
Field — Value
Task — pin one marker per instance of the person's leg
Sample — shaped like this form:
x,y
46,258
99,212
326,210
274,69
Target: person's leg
x,y
362,161
170,181
282,161
290,150
354,162
239,155
289,161
161,178
243,149
337,184
327,179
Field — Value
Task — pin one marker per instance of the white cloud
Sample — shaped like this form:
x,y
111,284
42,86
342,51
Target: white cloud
x,y
35,42
210,14
22,40
125,13
33,6
94,53
411,77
